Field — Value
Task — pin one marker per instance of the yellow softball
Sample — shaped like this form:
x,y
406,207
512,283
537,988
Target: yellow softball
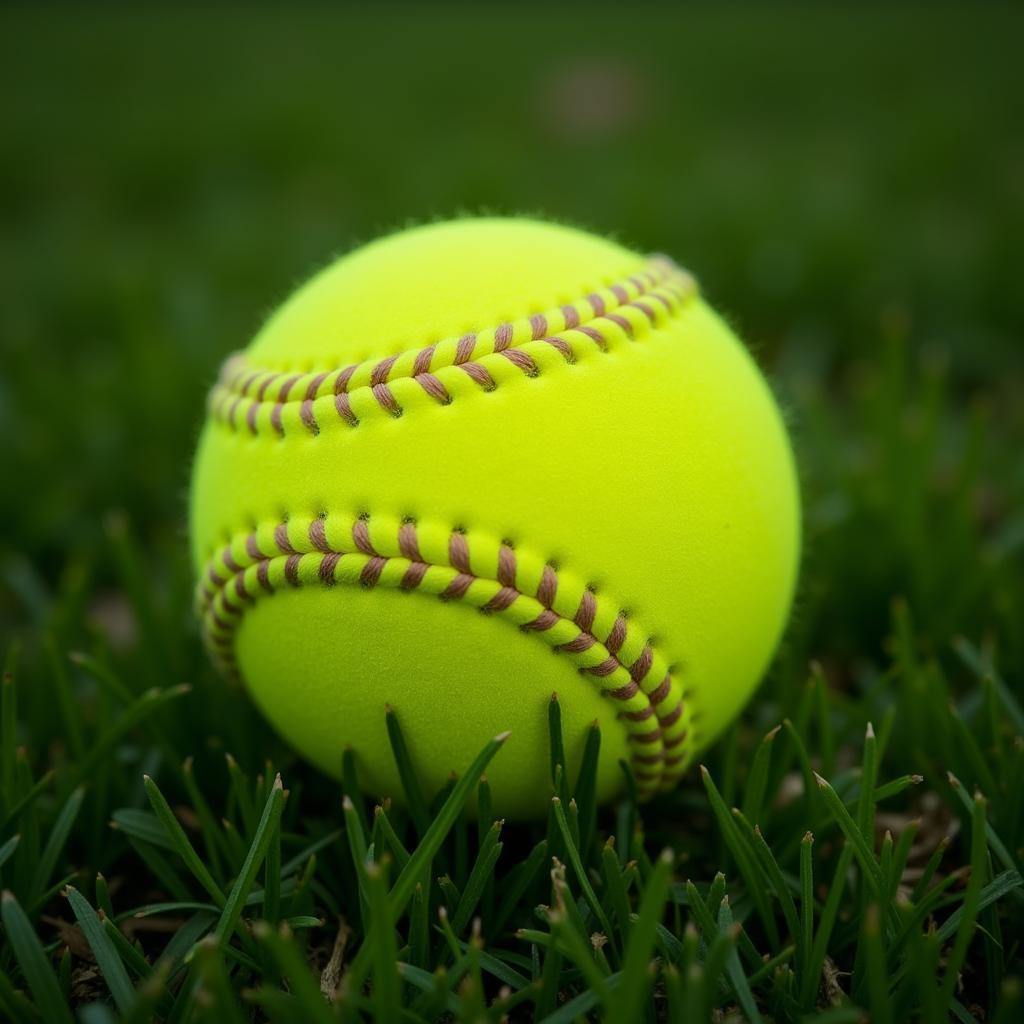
x,y
480,462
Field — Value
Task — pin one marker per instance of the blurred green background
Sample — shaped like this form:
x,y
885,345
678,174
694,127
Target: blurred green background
x,y
846,182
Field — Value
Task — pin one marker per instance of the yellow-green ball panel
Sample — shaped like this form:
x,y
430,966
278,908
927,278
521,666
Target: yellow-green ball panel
x,y
322,664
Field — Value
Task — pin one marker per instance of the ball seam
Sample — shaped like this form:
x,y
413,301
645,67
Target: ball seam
x,y
658,720
258,401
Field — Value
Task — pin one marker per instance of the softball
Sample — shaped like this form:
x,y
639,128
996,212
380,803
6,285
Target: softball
x,y
476,463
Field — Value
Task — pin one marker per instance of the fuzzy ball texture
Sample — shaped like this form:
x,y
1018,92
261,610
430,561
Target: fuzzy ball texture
x,y
480,462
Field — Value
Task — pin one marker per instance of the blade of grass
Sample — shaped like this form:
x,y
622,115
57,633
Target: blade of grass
x,y
439,828
983,668
576,947
615,887
57,840
811,980
142,825
417,803
395,845
556,749
805,942
27,798
483,869
272,879
180,842
517,883
778,883
740,984
426,850
240,796
746,862
709,929
868,778
879,1000
381,940
997,844
581,875
213,840
636,978
757,781
107,958
70,709
585,793
28,951
7,849
897,786
218,1002
358,851
292,963
269,822
854,834
970,906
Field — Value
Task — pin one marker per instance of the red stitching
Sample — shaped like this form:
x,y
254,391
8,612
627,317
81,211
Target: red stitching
x,y
224,601
663,283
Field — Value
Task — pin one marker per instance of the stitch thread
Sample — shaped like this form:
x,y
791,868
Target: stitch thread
x,y
654,714
243,392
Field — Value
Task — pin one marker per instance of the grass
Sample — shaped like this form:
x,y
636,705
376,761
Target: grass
x,y
851,849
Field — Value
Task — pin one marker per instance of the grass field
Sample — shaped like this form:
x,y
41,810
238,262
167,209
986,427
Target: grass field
x,y
847,184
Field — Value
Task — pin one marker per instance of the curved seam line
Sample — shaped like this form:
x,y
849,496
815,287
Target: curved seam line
x,y
665,283
655,766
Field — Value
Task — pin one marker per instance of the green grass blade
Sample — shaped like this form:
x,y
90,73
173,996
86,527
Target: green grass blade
x,y
740,984
395,845
272,880
357,850
293,965
142,825
57,840
407,773
381,940
7,849
992,837
615,887
805,940
235,902
970,907
757,781
984,669
897,786
518,882
1000,886
483,869
811,980
585,793
778,883
879,1000
854,835
556,750
180,842
107,958
27,798
579,950
440,827
746,861
581,875
240,795
635,976
28,951
868,778
217,1001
